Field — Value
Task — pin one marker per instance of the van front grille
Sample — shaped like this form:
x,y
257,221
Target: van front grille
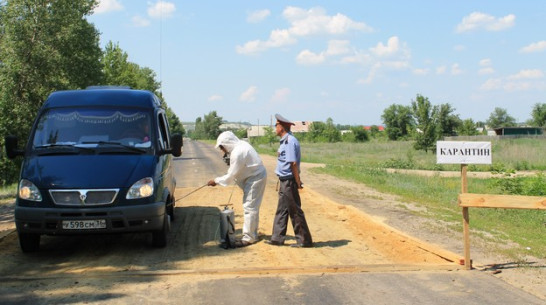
x,y
84,197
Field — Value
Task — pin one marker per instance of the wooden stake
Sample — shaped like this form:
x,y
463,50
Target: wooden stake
x,y
466,219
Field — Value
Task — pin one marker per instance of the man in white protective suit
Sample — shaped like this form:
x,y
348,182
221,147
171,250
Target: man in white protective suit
x,y
247,170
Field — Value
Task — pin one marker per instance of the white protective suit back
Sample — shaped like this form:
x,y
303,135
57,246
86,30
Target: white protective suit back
x,y
244,160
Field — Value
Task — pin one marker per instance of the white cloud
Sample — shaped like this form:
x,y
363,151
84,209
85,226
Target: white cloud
x,y
140,22
441,70
456,69
527,74
338,47
423,71
249,95
371,75
106,6
534,47
486,62
315,21
215,97
281,95
486,70
303,23
358,58
459,48
277,38
161,9
307,57
477,20
522,81
335,48
258,16
492,84
392,47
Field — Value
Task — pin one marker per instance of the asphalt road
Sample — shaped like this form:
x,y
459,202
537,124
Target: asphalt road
x,y
47,277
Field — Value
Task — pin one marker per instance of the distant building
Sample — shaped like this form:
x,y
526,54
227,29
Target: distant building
x,y
234,126
518,131
301,126
257,130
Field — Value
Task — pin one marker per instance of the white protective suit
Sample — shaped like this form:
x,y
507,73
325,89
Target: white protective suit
x,y
247,170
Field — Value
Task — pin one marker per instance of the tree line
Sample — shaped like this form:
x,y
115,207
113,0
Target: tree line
x,y
47,46
421,122
426,123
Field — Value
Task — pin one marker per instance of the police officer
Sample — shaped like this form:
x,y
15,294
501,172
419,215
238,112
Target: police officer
x,y
289,205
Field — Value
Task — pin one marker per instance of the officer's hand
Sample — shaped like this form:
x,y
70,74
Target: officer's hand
x,y
211,183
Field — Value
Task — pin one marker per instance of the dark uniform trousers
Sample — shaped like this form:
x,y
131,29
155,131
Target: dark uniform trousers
x,y
290,206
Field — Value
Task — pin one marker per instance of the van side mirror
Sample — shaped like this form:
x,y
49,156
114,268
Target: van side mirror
x,y
11,147
176,145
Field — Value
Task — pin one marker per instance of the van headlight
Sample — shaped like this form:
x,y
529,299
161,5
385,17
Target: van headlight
x,y
141,189
29,191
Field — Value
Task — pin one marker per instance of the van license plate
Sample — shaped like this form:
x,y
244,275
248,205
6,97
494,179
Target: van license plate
x,y
84,224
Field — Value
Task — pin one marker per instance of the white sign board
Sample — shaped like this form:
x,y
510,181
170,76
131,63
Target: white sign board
x,y
461,152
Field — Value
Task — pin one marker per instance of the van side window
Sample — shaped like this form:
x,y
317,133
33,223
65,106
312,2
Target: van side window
x,y
164,131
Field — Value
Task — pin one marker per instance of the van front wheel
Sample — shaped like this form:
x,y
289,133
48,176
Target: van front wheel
x,y
159,238
29,242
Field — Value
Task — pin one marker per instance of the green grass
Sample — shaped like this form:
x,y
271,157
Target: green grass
x,y
7,194
366,163
508,155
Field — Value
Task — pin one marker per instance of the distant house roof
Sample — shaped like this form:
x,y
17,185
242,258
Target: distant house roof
x,y
379,127
517,131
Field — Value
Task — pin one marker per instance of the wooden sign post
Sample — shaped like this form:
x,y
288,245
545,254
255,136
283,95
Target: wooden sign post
x,y
464,153
466,219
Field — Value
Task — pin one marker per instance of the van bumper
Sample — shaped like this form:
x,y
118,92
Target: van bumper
x,y
124,219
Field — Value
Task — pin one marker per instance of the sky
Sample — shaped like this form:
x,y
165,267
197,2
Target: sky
x,y
344,60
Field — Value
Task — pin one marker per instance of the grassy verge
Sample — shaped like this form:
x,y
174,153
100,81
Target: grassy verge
x,y
7,194
366,163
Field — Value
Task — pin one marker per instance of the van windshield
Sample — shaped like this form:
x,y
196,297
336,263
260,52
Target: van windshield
x,y
90,127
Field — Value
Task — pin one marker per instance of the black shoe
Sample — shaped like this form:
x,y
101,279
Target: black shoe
x,y
274,243
301,245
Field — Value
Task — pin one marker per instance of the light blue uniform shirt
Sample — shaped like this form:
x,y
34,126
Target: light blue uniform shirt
x,y
288,152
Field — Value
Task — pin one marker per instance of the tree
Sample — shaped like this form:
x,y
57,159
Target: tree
x,y
331,133
119,71
467,128
44,46
398,121
424,114
500,118
447,122
539,115
324,132
316,130
270,135
199,131
360,134
211,125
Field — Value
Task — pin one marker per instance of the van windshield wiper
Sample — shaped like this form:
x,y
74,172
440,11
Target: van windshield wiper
x,y
70,145
117,144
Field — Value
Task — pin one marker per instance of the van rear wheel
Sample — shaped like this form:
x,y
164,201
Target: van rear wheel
x,y
159,238
29,242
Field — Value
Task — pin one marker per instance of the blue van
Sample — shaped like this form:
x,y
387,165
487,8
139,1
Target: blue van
x,y
97,160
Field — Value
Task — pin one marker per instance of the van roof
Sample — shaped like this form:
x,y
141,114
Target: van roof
x,y
103,97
